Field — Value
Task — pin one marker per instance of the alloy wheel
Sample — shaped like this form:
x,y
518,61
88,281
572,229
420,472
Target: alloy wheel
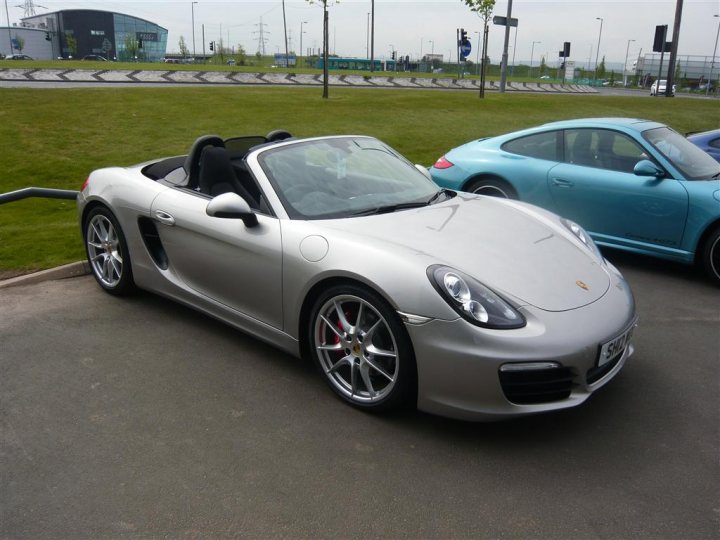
x,y
104,253
356,349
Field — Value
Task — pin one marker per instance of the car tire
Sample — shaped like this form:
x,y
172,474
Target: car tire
x,y
362,349
107,252
492,188
711,256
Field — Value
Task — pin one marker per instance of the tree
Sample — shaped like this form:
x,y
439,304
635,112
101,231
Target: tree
x,y
131,46
483,9
601,68
240,55
543,66
19,43
183,47
70,43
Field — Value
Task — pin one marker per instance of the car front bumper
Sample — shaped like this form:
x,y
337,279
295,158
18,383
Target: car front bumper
x,y
459,364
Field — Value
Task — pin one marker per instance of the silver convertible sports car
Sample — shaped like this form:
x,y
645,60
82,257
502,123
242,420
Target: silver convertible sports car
x,y
339,249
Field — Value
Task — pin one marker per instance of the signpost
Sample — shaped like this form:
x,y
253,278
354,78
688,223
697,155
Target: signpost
x,y
503,21
507,22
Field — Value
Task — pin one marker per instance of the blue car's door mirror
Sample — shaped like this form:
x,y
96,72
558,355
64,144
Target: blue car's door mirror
x,y
648,168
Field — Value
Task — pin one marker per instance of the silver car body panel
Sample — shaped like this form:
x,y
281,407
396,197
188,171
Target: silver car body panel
x,y
258,279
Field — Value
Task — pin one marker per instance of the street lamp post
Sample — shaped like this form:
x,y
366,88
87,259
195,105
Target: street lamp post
x,y
477,58
597,52
712,64
512,67
532,52
625,64
192,14
301,33
372,36
367,37
432,53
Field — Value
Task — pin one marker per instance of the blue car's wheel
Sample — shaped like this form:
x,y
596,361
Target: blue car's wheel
x,y
711,256
492,188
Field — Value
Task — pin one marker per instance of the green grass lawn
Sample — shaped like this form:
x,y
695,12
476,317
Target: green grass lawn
x,y
55,137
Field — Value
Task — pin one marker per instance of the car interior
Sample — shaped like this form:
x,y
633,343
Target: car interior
x,y
214,166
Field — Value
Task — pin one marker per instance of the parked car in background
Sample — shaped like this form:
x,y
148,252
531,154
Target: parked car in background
x,y
18,57
339,249
94,57
635,185
662,86
708,141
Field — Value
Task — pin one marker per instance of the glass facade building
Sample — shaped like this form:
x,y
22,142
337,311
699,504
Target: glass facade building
x,y
77,33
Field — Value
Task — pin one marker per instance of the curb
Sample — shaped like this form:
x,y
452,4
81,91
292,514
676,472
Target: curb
x,y
75,269
247,78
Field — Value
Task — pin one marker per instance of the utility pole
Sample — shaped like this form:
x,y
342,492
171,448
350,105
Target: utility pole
x,y
7,14
506,43
673,49
287,55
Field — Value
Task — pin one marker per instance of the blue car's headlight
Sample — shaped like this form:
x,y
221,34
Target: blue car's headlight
x,y
582,235
473,301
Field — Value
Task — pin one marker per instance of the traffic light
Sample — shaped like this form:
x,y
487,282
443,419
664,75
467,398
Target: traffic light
x,y
47,36
463,36
212,45
562,66
393,55
566,49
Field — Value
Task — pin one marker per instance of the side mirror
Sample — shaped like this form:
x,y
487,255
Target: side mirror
x,y
232,206
424,171
648,168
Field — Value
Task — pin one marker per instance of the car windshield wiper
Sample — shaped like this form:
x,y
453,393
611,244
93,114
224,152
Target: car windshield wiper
x,y
448,192
390,208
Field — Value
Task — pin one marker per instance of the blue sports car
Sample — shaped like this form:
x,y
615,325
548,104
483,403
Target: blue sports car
x,y
708,141
632,184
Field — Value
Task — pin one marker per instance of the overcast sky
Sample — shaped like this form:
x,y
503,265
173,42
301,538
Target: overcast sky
x,y
420,26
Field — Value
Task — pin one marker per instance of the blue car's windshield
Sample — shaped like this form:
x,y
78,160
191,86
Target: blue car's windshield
x,y
344,176
690,160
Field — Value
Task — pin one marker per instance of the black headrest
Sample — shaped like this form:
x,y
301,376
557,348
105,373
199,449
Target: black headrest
x,y
278,135
192,162
215,168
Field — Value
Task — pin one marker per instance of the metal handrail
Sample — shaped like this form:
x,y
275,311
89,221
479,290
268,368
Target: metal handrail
x,y
46,193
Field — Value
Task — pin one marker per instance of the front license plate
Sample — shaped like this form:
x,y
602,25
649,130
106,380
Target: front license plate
x,y
610,349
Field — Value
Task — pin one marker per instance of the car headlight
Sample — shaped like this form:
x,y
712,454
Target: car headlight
x,y
473,301
582,235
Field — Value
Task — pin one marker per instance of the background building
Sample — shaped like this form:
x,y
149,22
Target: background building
x,y
75,33
21,40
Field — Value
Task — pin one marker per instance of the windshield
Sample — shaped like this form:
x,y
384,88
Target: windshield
x,y
344,176
694,163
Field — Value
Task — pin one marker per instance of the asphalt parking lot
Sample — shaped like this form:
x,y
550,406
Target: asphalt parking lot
x,y
139,418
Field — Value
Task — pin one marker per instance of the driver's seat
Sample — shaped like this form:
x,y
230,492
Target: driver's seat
x,y
217,175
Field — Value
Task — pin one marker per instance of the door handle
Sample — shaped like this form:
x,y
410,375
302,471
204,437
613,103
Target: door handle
x,y
561,182
163,217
